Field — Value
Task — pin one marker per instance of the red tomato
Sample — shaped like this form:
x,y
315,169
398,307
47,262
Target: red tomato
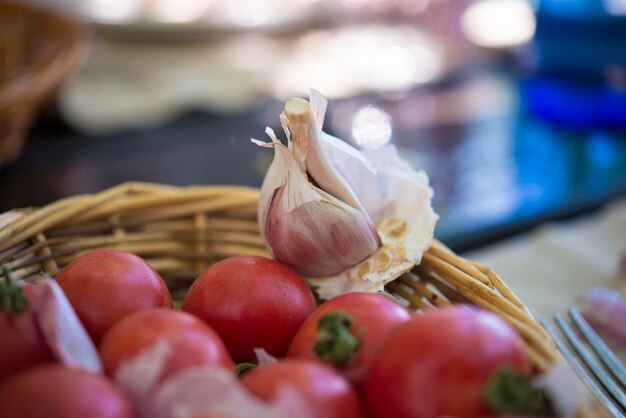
x,y
53,391
251,302
106,285
327,394
438,363
22,343
372,316
191,342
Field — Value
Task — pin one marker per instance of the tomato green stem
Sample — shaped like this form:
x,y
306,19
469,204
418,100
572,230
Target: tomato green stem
x,y
508,392
12,298
334,342
242,368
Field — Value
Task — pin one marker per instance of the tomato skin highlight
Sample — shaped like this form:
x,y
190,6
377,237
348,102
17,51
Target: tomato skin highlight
x,y
373,317
326,392
22,344
107,285
438,363
191,342
54,391
251,302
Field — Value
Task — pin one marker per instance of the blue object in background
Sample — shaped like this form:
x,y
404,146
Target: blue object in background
x,y
579,64
579,104
584,9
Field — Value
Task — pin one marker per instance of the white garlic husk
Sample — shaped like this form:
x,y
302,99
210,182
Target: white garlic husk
x,y
398,199
378,185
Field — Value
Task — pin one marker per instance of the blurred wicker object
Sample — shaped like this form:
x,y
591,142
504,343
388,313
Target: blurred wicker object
x,y
38,50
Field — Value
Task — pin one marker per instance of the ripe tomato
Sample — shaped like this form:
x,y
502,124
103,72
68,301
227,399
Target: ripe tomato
x,y
251,302
438,363
190,341
327,394
22,345
56,391
372,318
106,285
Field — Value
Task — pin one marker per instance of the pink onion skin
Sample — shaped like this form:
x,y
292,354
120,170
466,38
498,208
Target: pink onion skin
x,y
212,391
63,332
605,310
140,374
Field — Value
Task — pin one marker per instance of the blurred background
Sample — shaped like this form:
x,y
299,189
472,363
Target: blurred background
x,y
515,109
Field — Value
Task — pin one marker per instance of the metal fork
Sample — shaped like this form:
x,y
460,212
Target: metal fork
x,y
590,357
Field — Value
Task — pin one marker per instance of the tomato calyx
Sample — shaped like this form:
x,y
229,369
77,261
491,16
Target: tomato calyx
x,y
334,342
241,368
509,392
12,298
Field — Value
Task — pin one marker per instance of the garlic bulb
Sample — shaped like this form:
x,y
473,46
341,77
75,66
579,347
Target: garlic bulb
x,y
321,199
307,228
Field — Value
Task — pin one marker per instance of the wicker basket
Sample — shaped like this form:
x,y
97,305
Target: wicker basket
x,y
181,231
38,50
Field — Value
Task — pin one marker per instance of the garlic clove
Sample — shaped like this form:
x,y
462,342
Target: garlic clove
x,y
319,104
318,238
306,228
357,171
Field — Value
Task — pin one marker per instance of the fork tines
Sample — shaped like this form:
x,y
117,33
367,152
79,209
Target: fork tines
x,y
596,364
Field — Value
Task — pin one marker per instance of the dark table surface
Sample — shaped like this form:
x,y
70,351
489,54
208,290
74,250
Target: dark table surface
x,y
493,176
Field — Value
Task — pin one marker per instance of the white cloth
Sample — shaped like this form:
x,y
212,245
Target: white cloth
x,y
550,266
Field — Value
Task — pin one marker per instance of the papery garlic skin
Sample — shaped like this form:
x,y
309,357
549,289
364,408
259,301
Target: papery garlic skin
x,y
398,199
